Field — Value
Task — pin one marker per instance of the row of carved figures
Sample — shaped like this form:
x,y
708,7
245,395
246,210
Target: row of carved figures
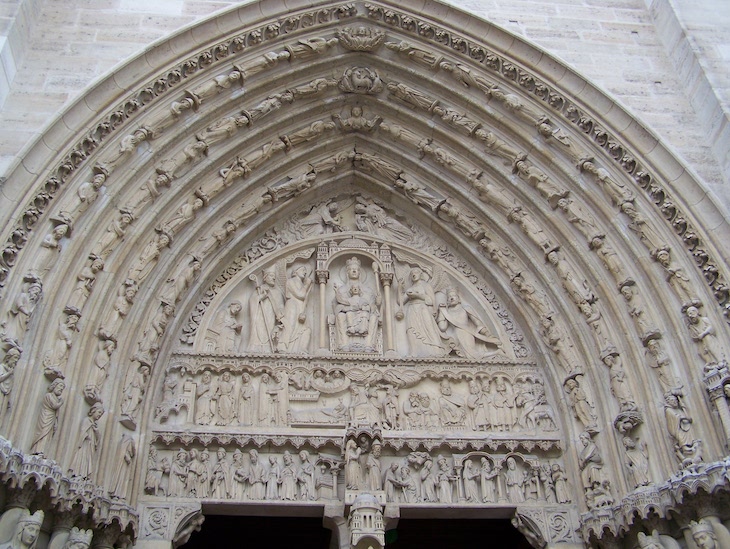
x,y
416,478
499,403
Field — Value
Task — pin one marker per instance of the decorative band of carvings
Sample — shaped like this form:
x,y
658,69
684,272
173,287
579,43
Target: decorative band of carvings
x,y
614,148
656,500
172,79
395,441
20,471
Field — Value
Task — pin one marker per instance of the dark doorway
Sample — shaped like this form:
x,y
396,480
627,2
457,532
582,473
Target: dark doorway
x,y
308,533
455,533
264,532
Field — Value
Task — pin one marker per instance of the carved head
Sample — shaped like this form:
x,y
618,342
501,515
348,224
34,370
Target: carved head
x,y
57,387
234,307
703,534
28,528
96,411
221,454
453,297
416,274
254,456
693,314
353,268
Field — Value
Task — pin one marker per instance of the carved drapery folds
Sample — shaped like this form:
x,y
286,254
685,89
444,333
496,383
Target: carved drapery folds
x,y
360,250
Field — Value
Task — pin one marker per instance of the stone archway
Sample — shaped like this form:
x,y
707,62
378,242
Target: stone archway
x,y
534,272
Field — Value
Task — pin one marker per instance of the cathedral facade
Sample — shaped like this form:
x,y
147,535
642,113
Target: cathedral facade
x,y
362,261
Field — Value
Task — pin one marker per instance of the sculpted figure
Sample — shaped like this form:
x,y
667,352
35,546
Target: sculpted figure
x,y
246,405
616,191
357,311
273,479
323,219
26,532
230,328
102,362
220,479
305,478
428,482
560,481
503,404
288,479
16,322
445,478
225,399
636,308
203,398
308,133
372,218
116,231
123,472
155,470
273,401
582,408
51,248
424,336
266,309
576,215
608,256
257,477
312,88
222,129
374,163
658,359
703,534
478,403
637,461
373,468
539,181
150,190
487,480
514,480
591,463
147,260
537,299
150,343
473,336
361,80
85,282
578,290
703,333
178,474
353,469
392,482
452,408
218,238
134,393
679,425
122,305
356,122
48,418
470,475
530,227
418,194
181,282
619,385
295,334
79,539
240,476
7,373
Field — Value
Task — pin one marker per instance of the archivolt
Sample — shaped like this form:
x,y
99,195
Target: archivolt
x,y
529,173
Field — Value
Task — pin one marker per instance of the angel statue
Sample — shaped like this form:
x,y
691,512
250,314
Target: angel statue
x,y
425,339
473,338
357,312
295,334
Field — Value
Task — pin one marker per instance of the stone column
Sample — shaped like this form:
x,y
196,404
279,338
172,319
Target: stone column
x,y
322,278
386,279
334,519
716,380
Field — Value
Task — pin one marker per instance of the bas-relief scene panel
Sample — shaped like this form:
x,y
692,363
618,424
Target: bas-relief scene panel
x,y
363,286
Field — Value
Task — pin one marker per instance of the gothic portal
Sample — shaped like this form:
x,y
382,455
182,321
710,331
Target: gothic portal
x,y
360,261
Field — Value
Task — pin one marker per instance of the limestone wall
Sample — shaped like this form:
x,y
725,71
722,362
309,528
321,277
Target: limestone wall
x,y
59,48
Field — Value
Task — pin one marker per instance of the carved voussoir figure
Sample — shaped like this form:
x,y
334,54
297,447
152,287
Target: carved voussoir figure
x,y
19,314
84,459
361,80
47,422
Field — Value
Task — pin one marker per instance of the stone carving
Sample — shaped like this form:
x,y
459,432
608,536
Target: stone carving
x,y
56,358
7,377
420,306
225,401
84,460
373,163
644,322
273,400
578,290
79,538
452,408
597,487
539,180
308,133
26,533
445,479
85,282
360,80
514,481
677,278
115,233
125,468
372,218
583,409
226,336
356,122
147,260
218,238
560,482
149,345
530,227
704,535
703,334
181,281
51,246
203,398
465,221
412,97
619,385
133,396
419,195
616,191
465,326
679,424
295,333
266,309
122,305
415,54
637,461
47,422
360,38
19,314
356,311
579,217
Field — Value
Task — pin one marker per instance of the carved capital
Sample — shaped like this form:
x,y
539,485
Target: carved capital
x,y
322,276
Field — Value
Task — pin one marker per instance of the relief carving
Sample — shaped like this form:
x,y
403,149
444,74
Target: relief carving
x,y
360,38
26,533
20,312
356,311
687,447
47,422
361,80
84,459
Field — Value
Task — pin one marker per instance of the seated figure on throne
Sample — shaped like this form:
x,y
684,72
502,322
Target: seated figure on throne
x,y
356,312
